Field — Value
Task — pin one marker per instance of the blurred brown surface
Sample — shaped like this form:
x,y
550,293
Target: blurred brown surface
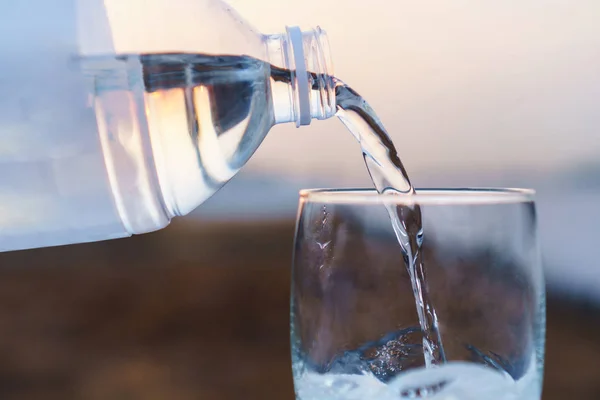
x,y
192,312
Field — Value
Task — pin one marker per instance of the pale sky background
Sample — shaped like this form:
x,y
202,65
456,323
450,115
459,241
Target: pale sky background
x,y
460,84
486,88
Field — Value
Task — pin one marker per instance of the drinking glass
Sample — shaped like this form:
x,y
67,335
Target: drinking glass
x,y
355,329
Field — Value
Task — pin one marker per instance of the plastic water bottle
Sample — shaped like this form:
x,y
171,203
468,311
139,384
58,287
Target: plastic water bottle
x,y
117,116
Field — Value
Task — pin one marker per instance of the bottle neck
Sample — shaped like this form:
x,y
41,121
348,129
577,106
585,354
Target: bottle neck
x,y
302,82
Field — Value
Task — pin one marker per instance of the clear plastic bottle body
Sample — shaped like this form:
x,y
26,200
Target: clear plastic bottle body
x,y
121,115
53,183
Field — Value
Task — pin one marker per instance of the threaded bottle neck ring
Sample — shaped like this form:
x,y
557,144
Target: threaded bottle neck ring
x,y
306,55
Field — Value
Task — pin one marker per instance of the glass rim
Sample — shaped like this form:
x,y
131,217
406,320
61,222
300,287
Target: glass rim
x,y
432,196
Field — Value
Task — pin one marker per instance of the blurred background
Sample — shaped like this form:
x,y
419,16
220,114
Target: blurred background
x,y
489,93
